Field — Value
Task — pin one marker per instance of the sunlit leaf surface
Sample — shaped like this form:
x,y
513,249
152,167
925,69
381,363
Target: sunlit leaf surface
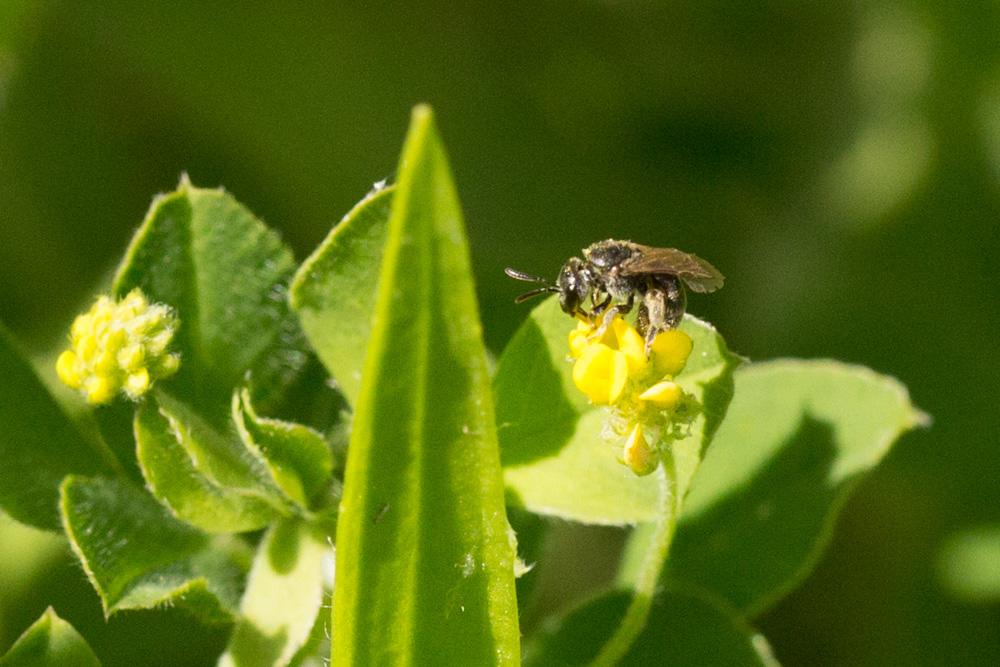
x,y
334,289
425,568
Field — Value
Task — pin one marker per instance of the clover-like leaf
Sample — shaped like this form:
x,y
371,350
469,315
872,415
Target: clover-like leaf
x,y
555,459
425,567
226,275
798,437
297,457
283,597
683,628
138,556
202,476
334,289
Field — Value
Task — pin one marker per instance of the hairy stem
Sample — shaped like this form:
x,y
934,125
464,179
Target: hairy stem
x,y
649,573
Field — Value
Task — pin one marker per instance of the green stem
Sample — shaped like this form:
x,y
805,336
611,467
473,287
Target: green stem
x,y
649,573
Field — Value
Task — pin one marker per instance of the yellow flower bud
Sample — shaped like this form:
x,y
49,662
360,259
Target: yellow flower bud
x,y
87,347
670,351
66,369
131,357
601,373
119,346
638,454
168,365
664,395
137,383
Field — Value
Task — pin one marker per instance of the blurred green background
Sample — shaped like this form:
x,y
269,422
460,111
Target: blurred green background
x,y
839,162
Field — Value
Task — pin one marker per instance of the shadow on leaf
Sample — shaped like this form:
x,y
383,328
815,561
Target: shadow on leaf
x,y
789,497
529,431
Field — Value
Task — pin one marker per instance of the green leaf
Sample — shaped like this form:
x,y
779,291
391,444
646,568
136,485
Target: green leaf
x,y
283,597
50,642
425,567
39,445
683,628
798,437
334,290
297,457
137,556
555,460
967,565
226,274
197,474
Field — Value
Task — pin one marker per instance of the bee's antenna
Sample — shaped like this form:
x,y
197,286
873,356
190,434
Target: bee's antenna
x,y
526,277
535,292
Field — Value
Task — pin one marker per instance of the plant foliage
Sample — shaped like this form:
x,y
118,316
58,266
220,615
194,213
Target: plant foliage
x,y
227,489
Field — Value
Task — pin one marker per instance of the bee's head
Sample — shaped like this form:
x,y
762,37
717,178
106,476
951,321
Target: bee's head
x,y
573,283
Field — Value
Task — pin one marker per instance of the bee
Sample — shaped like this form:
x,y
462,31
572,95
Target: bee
x,y
613,274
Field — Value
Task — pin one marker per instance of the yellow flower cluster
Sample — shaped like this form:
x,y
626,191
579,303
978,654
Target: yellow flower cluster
x,y
613,370
119,346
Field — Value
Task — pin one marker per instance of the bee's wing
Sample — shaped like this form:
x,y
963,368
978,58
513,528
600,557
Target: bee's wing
x,y
696,273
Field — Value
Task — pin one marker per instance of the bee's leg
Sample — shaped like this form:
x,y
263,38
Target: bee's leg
x,y
664,303
599,307
642,319
652,314
675,301
610,314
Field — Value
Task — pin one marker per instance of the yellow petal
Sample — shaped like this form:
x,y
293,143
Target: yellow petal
x,y
104,362
631,344
638,455
601,373
81,325
665,395
670,351
578,341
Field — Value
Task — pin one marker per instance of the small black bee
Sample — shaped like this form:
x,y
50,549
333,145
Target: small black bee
x,y
612,273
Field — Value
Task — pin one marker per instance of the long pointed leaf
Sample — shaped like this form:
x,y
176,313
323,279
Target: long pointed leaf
x,y
425,568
